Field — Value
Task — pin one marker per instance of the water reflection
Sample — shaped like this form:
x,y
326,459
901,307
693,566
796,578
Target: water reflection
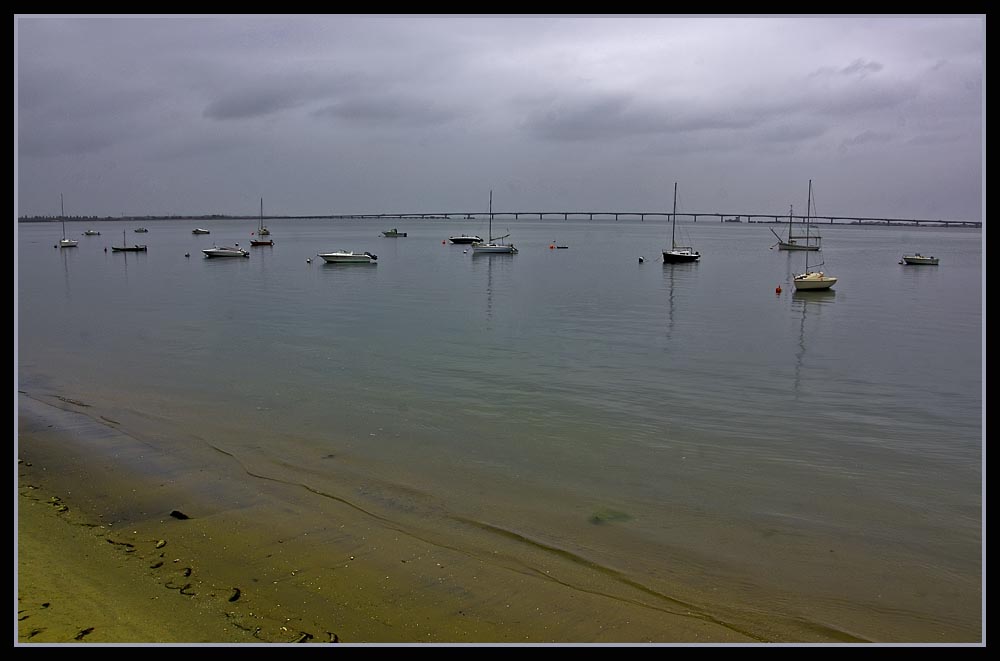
x,y
504,260
675,274
65,260
810,303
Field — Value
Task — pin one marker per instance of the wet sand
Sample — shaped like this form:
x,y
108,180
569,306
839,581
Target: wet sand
x,y
103,558
105,555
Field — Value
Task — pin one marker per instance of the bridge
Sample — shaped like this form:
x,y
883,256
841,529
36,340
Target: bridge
x,y
769,218
642,215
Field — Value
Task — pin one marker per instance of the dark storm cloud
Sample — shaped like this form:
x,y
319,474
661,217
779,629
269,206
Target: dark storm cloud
x,y
387,110
866,137
250,103
611,116
862,67
246,95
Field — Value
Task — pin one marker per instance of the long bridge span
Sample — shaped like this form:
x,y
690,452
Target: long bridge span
x,y
769,218
642,215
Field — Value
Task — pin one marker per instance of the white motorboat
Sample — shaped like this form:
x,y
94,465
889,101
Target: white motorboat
x,y
347,257
199,230
91,233
917,258
140,230
226,251
465,238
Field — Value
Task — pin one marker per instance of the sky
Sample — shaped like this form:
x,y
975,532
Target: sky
x,y
331,114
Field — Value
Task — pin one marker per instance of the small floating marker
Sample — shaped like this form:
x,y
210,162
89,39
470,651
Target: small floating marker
x,y
777,290
464,251
105,248
442,243
309,261
187,254
641,259
552,246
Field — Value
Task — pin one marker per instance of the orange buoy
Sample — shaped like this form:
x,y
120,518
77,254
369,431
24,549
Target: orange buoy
x,y
551,247
777,290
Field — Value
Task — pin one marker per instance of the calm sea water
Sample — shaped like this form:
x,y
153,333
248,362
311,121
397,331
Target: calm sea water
x,y
819,455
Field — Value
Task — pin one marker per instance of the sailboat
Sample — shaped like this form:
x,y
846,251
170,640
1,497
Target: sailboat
x,y
492,246
676,254
809,241
124,248
65,243
811,280
261,230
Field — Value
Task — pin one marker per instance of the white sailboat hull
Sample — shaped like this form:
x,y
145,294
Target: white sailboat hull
x,y
493,248
784,245
813,280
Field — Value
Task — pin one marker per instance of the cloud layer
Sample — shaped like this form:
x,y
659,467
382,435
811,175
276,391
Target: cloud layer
x,y
886,114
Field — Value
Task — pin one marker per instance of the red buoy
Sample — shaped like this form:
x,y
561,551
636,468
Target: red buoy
x,y
777,290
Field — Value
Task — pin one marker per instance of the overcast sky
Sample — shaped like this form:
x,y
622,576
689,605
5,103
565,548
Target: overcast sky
x,y
367,114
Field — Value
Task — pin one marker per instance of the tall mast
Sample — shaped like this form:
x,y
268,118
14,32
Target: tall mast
x,y
808,206
809,203
62,214
673,224
261,213
491,217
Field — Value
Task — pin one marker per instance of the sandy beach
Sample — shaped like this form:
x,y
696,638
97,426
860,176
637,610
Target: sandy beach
x,y
120,541
85,575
